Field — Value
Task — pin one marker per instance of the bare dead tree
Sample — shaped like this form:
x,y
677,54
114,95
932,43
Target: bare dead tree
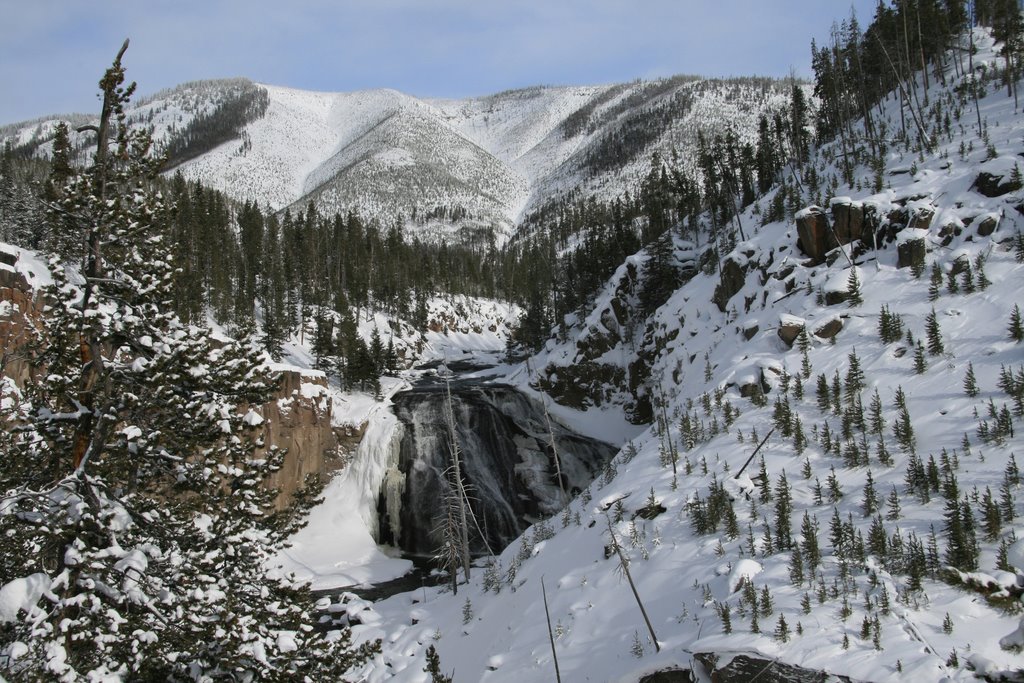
x,y
624,565
551,635
460,489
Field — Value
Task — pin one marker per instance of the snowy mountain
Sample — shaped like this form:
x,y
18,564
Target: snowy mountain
x,y
476,164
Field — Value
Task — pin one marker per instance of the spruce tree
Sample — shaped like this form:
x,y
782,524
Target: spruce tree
x,y
854,295
920,361
933,334
137,495
935,282
783,512
970,381
1016,327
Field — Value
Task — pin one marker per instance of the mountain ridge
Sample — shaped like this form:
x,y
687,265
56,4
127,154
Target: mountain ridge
x,y
495,157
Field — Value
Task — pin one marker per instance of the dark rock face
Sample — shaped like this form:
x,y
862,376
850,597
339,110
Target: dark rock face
x,y
789,330
583,384
829,329
760,387
835,296
742,668
992,185
506,464
815,236
987,226
848,222
911,254
733,277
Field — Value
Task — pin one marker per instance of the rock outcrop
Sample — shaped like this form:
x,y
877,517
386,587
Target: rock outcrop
x,y
731,280
20,309
298,420
814,234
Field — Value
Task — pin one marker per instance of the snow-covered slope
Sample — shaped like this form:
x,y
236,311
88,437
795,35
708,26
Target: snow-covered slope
x,y
878,504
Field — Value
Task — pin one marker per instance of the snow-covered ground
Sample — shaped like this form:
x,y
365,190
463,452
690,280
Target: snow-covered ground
x,y
686,579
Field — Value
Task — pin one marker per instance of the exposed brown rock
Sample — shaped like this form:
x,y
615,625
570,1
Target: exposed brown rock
x,y
789,329
814,236
829,329
732,279
299,420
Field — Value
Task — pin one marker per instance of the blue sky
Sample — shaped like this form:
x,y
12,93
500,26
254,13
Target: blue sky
x,y
53,52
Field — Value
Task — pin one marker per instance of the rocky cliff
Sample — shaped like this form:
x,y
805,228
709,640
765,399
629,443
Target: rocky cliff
x,y
298,420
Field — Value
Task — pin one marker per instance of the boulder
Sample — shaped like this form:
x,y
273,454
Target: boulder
x,y
790,327
829,328
948,232
754,386
836,296
987,225
814,236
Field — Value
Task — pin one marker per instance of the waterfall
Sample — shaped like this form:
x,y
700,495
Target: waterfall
x,y
507,465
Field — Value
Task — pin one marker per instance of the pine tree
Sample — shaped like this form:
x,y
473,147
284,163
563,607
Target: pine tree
x,y
1016,327
783,512
970,382
933,334
134,475
890,326
433,667
796,566
824,397
809,542
724,614
869,503
983,282
854,377
920,362
854,295
782,629
893,504
935,282
835,492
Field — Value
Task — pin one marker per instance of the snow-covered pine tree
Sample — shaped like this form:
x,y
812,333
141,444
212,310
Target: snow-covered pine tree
x,y
132,505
